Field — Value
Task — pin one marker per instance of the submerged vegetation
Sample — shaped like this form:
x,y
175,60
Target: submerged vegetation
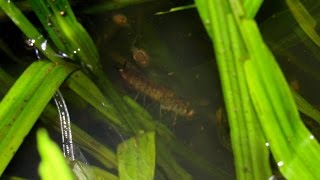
x,y
268,136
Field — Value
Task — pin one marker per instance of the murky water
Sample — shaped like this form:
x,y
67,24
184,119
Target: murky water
x,y
180,58
177,58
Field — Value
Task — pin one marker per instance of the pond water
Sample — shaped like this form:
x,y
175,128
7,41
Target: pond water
x,y
147,56
179,58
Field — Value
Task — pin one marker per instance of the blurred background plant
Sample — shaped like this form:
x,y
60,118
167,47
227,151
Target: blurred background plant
x,y
139,73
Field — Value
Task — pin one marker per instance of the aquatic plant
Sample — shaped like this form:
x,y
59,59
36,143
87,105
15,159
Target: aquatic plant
x,y
262,109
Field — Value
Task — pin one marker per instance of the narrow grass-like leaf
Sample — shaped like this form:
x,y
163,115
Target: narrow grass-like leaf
x,y
136,157
24,103
251,155
102,153
86,88
251,7
305,107
146,121
22,5
101,174
6,81
215,171
175,9
65,31
287,36
305,20
52,165
172,168
24,90
28,29
252,133
294,148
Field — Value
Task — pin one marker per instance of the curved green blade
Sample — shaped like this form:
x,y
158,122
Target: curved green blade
x,y
52,165
136,157
24,103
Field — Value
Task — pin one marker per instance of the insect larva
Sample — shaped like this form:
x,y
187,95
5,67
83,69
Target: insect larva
x,y
167,98
178,106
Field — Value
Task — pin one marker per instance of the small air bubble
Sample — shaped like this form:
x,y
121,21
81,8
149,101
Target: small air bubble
x,y
280,163
78,49
311,136
62,13
267,144
8,1
44,45
63,54
75,52
30,42
273,177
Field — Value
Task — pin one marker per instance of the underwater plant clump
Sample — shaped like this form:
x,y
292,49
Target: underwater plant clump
x,y
160,115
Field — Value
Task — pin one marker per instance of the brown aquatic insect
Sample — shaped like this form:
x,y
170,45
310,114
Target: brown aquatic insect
x,y
120,19
141,57
166,97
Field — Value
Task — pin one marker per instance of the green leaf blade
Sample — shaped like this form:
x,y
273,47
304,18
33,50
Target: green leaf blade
x,y
292,145
52,165
136,157
25,113
248,142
